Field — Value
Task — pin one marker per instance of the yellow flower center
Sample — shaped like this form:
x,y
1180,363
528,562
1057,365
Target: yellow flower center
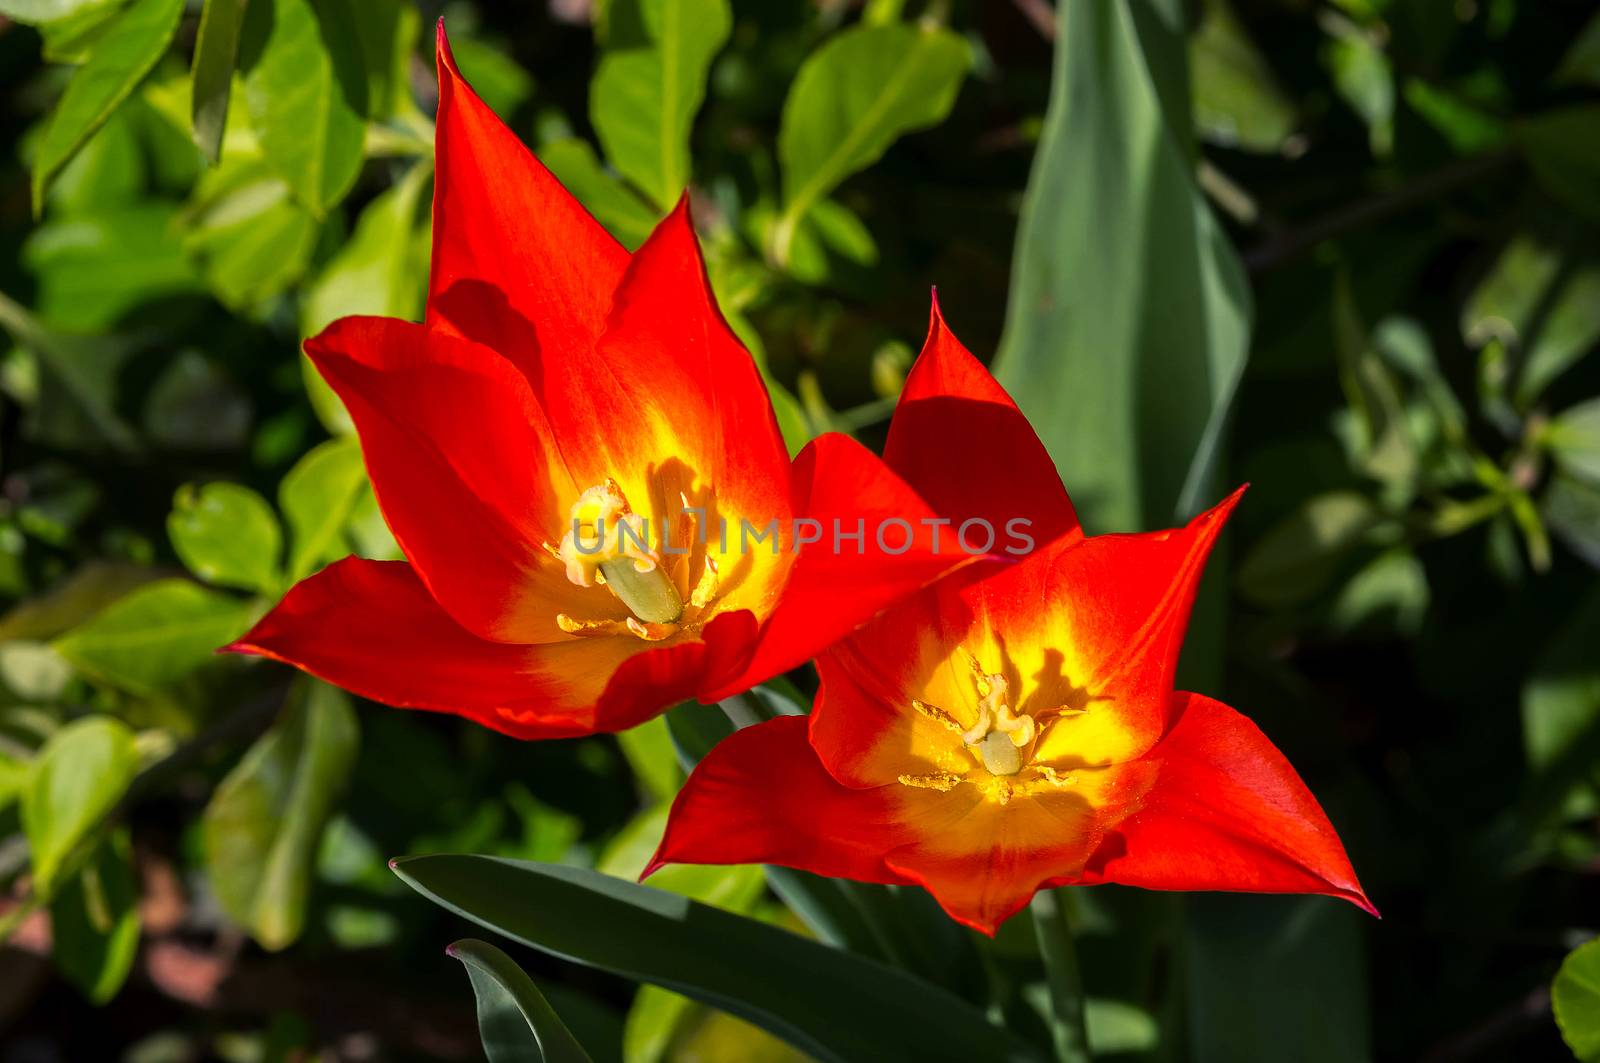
x,y
609,544
1001,740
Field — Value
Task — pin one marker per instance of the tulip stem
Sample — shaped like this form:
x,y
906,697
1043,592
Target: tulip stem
x,y
1053,927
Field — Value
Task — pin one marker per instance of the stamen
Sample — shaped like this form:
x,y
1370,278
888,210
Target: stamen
x,y
944,782
608,546
706,588
938,715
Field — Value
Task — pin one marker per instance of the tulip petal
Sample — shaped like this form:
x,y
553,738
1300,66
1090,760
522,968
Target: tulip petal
x,y
762,797
1226,812
959,440
983,861
461,463
1109,643
837,583
669,380
372,628
518,264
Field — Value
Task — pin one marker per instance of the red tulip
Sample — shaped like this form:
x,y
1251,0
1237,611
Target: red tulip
x,y
557,449
1014,727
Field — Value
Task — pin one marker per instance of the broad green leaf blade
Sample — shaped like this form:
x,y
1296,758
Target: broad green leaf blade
x,y
156,635
650,83
306,89
121,58
261,830
318,496
515,1021
253,240
626,216
226,534
94,921
78,777
1275,978
1129,316
1575,997
857,94
216,49
1572,509
828,1003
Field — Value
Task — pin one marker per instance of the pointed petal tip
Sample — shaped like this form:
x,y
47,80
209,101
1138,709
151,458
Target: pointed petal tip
x,y
657,862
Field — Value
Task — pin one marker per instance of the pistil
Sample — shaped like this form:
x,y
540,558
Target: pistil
x,y
609,545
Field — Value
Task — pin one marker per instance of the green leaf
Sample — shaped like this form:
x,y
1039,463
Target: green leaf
x,y
1573,437
318,496
1383,441
1275,978
1581,64
216,49
648,748
1563,149
306,88
252,239
43,12
515,1021
94,267
121,58
853,97
261,830
226,534
78,777
626,216
1298,556
94,921
786,984
78,381
1540,298
156,635
1575,997
650,83
1129,317
1561,695
1237,102
375,272
1572,508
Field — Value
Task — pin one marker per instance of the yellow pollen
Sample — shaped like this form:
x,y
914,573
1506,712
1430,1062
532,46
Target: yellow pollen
x,y
609,545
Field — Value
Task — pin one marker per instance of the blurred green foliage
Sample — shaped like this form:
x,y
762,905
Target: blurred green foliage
x,y
1343,249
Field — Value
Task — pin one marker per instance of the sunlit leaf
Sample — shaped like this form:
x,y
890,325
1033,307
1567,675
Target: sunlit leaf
x,y
119,61
1575,997
155,635
43,12
649,84
856,95
614,205
515,1021
374,272
1125,361
226,534
77,778
306,88
94,921
317,497
261,830
1561,694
